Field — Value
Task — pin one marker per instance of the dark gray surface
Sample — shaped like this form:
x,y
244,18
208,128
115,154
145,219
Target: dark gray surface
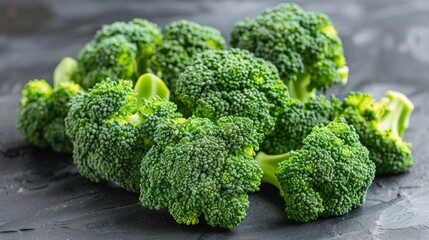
x,y
43,197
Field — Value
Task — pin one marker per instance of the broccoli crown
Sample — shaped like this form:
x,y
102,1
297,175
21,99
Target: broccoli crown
x,y
183,40
304,46
111,58
297,121
40,119
119,51
111,130
233,83
380,126
328,176
200,167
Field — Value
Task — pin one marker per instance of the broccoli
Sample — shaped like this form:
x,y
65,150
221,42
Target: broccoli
x,y
380,126
183,40
233,83
304,46
40,118
297,121
119,51
198,167
112,127
328,176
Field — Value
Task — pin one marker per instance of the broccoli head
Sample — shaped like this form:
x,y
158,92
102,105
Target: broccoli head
x,y
328,176
304,46
380,126
233,83
198,167
183,40
40,118
297,121
112,127
119,51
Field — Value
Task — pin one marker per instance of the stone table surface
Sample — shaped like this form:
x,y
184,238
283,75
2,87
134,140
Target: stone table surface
x,y
42,196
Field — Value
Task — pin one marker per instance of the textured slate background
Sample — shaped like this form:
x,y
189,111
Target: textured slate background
x,y
43,197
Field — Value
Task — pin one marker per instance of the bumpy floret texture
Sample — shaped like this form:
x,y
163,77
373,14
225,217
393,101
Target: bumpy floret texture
x,y
111,132
328,176
297,121
233,83
119,51
304,46
40,119
378,125
183,40
199,168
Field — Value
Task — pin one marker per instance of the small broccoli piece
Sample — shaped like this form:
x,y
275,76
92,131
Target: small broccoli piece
x,y
328,176
199,168
297,121
112,127
380,126
304,46
40,118
119,51
233,83
183,40
146,36
66,71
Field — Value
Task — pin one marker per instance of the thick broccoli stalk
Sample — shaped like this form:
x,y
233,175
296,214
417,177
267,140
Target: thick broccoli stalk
x,y
119,51
297,121
380,126
304,46
233,83
112,127
328,176
198,167
40,118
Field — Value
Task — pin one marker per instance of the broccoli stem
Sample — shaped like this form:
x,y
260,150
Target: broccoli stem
x,y
397,111
149,85
145,59
66,71
299,89
269,164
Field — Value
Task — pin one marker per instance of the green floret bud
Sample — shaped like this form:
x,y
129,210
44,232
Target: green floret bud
x,y
304,46
113,58
111,127
233,83
146,36
198,167
380,126
328,176
40,119
66,71
297,121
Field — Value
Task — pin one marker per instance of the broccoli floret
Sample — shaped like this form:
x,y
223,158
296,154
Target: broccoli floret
x,y
380,126
304,46
328,176
233,83
183,40
112,127
40,118
297,121
119,51
199,168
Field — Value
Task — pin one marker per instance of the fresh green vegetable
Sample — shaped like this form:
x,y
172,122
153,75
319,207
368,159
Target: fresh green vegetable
x,y
380,126
40,118
328,176
199,168
297,121
304,46
233,83
119,51
112,126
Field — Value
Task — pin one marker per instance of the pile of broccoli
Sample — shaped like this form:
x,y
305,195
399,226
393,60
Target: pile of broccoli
x,y
180,119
